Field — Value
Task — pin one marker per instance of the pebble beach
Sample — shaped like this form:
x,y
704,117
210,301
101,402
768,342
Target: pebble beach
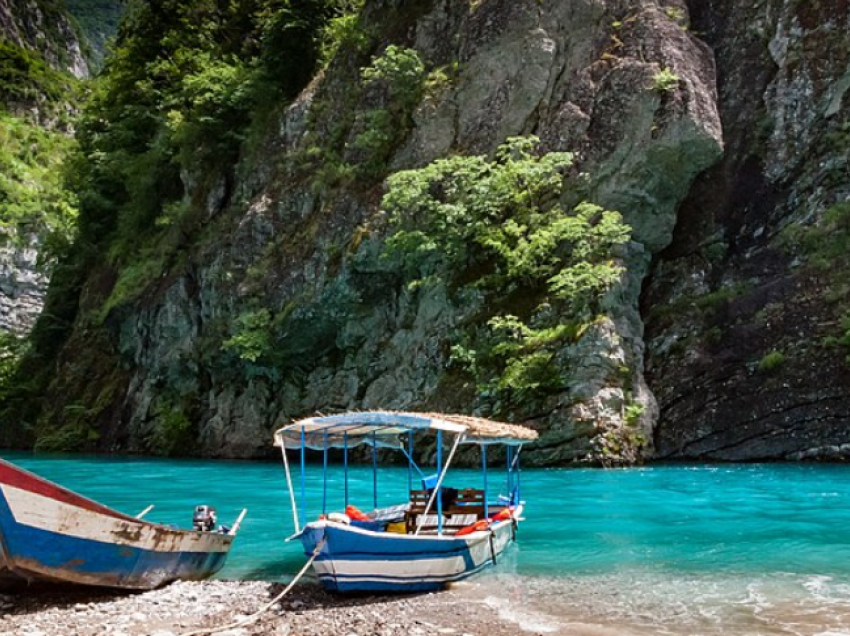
x,y
185,608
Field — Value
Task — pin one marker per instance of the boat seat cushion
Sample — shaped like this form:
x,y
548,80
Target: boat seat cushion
x,y
460,521
429,523
391,513
428,520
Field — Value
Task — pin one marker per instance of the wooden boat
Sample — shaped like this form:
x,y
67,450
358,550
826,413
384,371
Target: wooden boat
x,y
49,534
438,536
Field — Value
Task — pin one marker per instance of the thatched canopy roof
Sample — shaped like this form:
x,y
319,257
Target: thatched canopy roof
x,y
481,428
382,428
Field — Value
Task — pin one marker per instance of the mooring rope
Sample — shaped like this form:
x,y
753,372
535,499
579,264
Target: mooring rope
x,y
250,619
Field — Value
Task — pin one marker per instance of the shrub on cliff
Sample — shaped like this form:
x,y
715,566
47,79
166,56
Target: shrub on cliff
x,y
33,197
498,225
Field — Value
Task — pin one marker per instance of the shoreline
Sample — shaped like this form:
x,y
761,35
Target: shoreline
x,y
307,610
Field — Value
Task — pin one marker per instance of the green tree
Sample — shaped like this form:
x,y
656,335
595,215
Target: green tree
x,y
499,225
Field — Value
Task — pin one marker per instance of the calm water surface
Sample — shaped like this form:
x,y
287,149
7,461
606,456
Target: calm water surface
x,y
756,549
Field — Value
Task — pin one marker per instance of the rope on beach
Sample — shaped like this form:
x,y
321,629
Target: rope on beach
x,y
250,619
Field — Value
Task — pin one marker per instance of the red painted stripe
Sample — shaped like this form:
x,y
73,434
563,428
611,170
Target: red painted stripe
x,y
20,478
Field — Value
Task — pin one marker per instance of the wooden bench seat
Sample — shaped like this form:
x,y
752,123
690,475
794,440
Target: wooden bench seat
x,y
466,509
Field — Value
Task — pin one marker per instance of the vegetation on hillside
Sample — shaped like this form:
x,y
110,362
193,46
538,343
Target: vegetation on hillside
x,y
98,21
499,226
33,197
36,207
28,83
172,107
171,115
179,93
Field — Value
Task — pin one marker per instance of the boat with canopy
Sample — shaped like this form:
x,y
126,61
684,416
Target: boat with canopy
x,y
439,535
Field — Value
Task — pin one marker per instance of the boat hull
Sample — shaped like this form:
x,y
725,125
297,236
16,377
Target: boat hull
x,y
51,535
354,560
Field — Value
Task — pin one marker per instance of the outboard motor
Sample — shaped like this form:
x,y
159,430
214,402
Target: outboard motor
x,y
204,518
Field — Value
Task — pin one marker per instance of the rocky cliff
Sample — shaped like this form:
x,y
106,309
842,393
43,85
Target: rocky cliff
x,y
44,26
41,56
747,310
279,300
32,34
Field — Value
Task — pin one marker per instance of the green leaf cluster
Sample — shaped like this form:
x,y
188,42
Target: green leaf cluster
x,y
665,81
402,71
498,225
351,143
251,335
342,30
771,361
33,196
12,349
176,99
27,80
173,432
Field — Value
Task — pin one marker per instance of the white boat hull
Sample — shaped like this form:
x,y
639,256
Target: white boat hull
x,y
353,559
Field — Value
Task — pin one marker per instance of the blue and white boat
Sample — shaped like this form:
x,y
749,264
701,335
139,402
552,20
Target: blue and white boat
x,y
439,536
49,534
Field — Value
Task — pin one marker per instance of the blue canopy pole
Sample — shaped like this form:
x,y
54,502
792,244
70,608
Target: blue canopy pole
x,y
518,478
303,474
484,473
345,463
439,472
374,471
510,485
409,462
325,473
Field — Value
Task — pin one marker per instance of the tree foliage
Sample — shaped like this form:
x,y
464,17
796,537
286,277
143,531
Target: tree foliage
x,y
172,106
499,225
33,197
27,81
174,102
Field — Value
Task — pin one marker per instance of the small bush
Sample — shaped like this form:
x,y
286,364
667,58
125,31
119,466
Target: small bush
x,y
251,338
665,81
343,30
633,413
404,73
771,361
172,433
12,349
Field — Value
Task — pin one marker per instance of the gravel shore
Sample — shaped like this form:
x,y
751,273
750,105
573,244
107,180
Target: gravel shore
x,y
307,610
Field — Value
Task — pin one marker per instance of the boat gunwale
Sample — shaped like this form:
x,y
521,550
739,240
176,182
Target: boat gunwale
x,y
321,523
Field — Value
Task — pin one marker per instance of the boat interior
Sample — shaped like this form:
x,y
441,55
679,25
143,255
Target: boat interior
x,y
460,509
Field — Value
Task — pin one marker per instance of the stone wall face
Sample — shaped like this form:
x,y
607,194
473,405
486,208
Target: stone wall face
x,y
44,27
739,320
22,287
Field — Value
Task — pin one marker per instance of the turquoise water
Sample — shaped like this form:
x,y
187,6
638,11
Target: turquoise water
x,y
757,549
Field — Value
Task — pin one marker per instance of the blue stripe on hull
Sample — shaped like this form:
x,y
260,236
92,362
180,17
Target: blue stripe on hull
x,y
379,583
337,585
37,554
385,545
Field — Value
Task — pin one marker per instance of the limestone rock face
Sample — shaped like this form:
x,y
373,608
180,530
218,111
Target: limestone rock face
x,y
23,286
45,28
744,319
335,326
